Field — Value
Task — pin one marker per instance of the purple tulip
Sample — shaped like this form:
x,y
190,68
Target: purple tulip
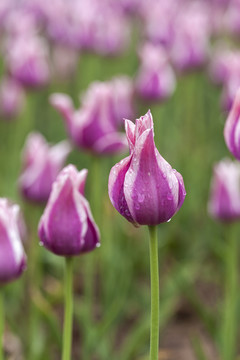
x,y
12,256
11,98
41,165
143,187
155,79
27,60
67,227
224,202
232,128
224,64
94,126
190,46
157,12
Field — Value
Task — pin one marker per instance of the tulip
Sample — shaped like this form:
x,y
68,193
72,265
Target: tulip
x,y
27,60
41,165
94,126
164,12
190,46
67,227
12,255
232,128
143,187
224,205
224,65
11,98
155,79
224,202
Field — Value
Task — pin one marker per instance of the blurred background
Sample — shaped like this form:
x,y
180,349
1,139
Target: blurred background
x,y
118,59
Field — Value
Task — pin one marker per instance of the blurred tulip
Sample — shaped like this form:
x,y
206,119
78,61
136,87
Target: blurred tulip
x,y
67,227
95,125
143,187
160,12
27,60
224,202
232,128
41,165
190,47
155,79
92,25
231,18
12,256
12,98
225,64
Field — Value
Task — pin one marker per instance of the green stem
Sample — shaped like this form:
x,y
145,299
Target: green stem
x,y
1,324
154,334
68,312
229,334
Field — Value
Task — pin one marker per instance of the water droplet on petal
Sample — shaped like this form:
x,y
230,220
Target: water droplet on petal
x,y
141,197
98,245
169,220
40,243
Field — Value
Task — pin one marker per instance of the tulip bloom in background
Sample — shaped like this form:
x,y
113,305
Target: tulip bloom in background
x,y
190,47
95,125
12,98
12,255
155,79
232,128
41,165
67,228
27,60
224,205
224,202
146,190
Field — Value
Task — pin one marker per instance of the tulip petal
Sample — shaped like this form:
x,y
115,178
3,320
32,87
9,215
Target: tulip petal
x,y
232,130
115,188
145,122
91,238
64,105
130,133
111,143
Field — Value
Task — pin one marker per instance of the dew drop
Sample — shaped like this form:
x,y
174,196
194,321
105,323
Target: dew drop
x,y
98,245
169,220
149,174
40,243
169,197
137,206
141,197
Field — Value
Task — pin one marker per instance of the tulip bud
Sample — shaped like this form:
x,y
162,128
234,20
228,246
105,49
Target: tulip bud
x,y
232,128
94,126
190,46
12,256
224,202
155,79
41,165
143,187
67,227
27,60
